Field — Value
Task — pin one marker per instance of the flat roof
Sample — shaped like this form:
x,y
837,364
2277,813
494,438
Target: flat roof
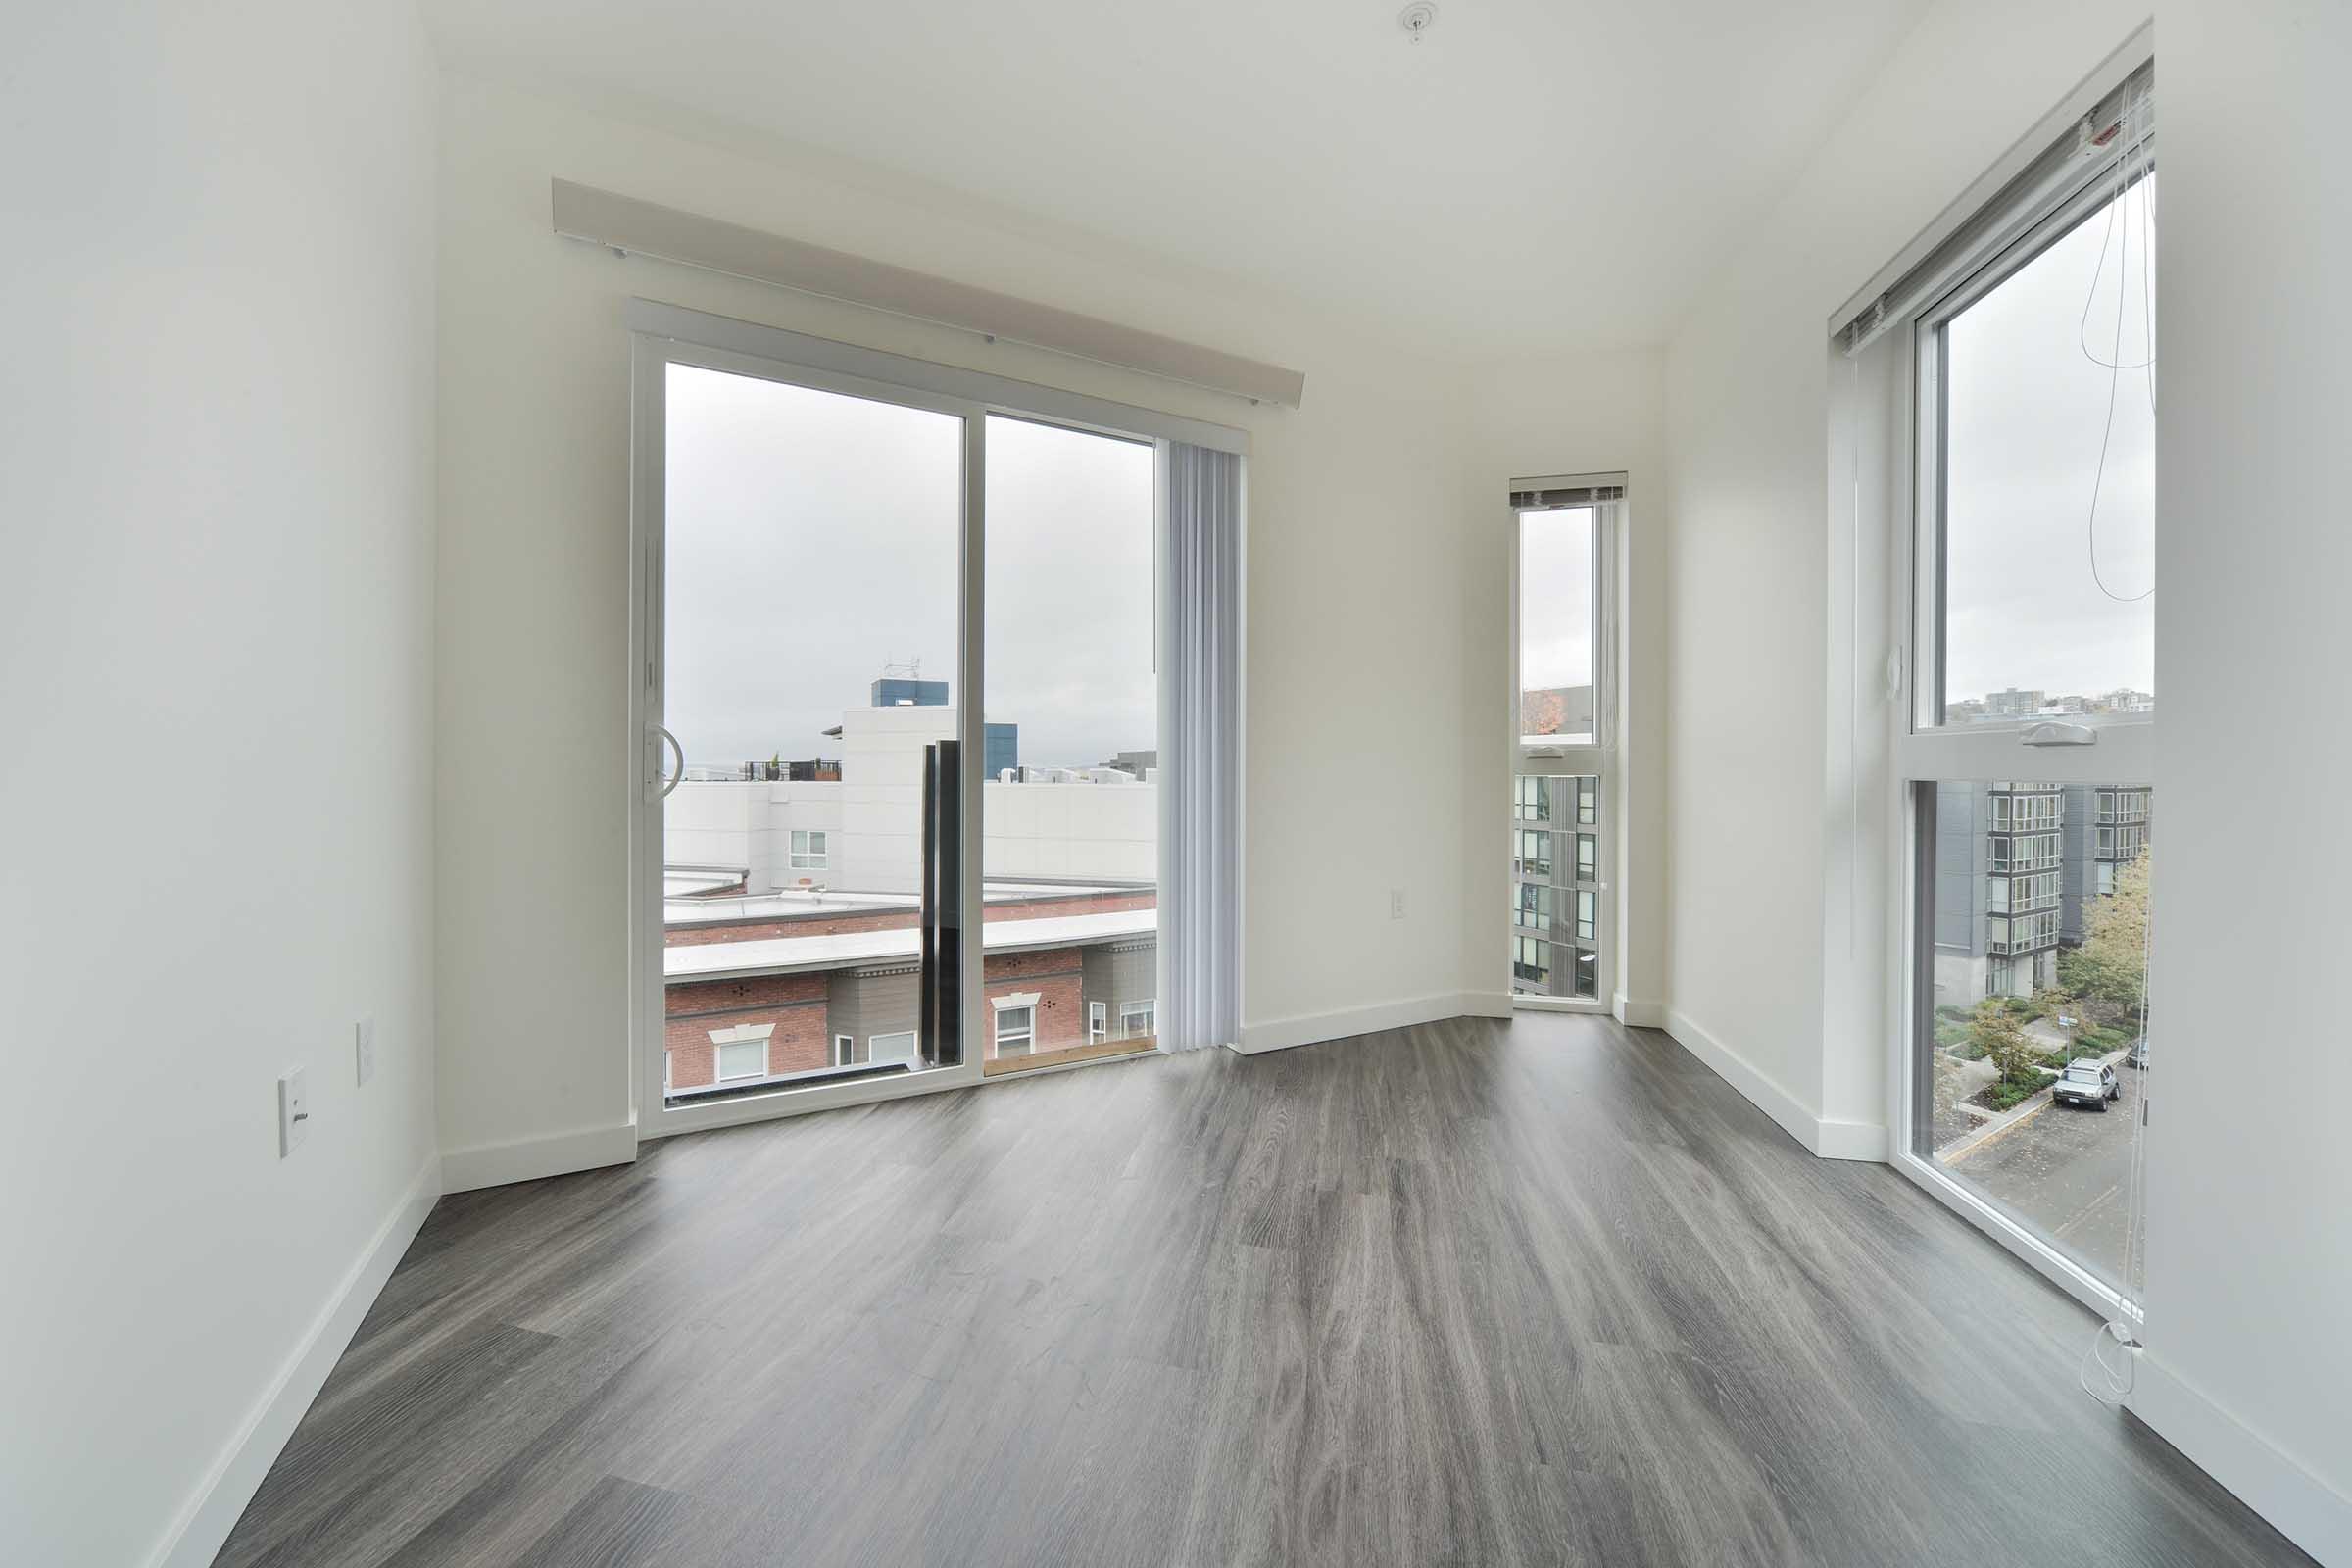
x,y
784,904
728,960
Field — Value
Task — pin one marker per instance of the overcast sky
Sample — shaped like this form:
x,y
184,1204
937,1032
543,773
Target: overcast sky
x,y
812,539
2027,408
1555,597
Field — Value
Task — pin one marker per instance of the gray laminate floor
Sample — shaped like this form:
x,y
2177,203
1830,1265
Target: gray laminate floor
x,y
1544,1292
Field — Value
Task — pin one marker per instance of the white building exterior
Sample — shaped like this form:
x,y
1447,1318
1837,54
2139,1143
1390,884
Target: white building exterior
x,y
1094,824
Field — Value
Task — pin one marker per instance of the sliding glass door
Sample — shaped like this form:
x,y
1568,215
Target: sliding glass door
x,y
899,818
1070,850
803,678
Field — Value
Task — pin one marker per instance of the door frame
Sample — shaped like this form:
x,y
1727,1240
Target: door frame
x,y
665,334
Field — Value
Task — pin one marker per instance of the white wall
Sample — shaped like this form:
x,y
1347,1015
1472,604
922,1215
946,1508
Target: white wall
x,y
2249,1251
216,423
1355,783
1754,986
1591,413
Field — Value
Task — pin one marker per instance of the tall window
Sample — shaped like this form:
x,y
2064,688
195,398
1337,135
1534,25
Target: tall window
x,y
1561,703
2022,355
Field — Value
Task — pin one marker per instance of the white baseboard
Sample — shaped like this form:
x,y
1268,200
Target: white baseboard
x,y
1636,1014
196,1537
1486,1005
2307,1510
1307,1029
1830,1140
527,1160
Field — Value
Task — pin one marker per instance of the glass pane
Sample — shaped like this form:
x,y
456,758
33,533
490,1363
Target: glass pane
x,y
809,629
2029,1064
1555,625
1555,899
1070,814
2049,410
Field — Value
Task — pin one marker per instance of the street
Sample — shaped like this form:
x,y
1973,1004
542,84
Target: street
x,y
2066,1173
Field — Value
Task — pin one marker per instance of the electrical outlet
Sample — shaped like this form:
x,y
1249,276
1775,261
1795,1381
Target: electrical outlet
x,y
363,1043
293,1110
1395,904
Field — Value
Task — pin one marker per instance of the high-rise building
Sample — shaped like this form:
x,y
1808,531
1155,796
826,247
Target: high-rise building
x,y
2019,869
1999,859
1555,886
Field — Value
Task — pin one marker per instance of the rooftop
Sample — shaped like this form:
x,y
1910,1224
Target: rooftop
x,y
729,961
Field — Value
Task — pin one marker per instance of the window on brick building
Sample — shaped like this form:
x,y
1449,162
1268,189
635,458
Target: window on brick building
x,y
1017,1030
742,1051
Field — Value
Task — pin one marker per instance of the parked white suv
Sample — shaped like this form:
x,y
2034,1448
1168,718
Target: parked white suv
x,y
2086,1083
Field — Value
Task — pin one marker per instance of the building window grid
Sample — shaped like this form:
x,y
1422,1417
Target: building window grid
x,y
1017,1030
2024,895
1531,960
2032,851
2123,805
1531,906
810,850
2023,933
1534,853
1533,802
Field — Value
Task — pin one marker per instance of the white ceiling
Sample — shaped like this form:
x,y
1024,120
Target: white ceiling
x,y
1535,175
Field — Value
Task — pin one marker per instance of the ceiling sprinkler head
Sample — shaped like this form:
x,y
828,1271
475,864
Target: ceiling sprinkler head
x,y
1417,19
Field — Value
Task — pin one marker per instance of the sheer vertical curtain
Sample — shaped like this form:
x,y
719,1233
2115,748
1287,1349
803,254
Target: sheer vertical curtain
x,y
1201,755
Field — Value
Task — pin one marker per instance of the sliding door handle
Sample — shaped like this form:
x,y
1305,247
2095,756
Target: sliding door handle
x,y
676,751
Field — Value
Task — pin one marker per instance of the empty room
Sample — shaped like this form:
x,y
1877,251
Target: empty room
x,y
1270,782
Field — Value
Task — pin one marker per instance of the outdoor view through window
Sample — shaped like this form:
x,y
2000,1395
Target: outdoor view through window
x,y
810,627
2051,481
2038,1040
1555,624
1555,820
2033,1045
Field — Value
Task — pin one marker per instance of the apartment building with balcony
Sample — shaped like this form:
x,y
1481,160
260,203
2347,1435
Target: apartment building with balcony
x,y
2020,867
2000,853
2106,830
1555,886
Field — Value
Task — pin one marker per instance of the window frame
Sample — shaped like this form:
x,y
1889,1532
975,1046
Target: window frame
x,y
1574,812
1148,1009
1928,527
1098,1022
1893,427
810,848
999,1008
661,336
739,1036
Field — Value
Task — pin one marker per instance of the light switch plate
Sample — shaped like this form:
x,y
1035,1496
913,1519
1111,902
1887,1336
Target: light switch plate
x,y
293,1111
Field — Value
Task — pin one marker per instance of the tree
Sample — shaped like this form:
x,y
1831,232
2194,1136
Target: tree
x,y
1996,1031
2106,978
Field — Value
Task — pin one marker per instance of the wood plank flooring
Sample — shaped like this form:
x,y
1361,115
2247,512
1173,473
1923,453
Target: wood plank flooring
x,y
1543,1292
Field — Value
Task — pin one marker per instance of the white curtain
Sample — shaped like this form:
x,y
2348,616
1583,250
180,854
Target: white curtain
x,y
1200,749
